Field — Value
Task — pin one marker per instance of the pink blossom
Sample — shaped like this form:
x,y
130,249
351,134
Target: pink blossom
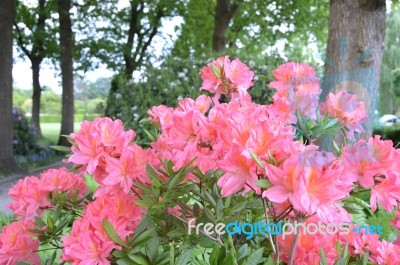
x,y
386,253
98,140
223,76
88,243
17,244
130,167
309,181
62,180
297,89
347,109
29,198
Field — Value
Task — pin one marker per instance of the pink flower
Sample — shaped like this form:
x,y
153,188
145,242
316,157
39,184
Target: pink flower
x,y
17,244
309,246
386,192
130,167
63,181
88,243
98,140
396,221
297,89
309,180
360,242
239,172
386,253
223,76
347,109
29,198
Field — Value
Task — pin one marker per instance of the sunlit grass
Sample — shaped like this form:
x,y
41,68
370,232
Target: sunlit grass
x,y
51,131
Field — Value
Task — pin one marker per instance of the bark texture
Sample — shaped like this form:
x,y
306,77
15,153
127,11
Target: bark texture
x,y
224,12
67,44
7,15
354,51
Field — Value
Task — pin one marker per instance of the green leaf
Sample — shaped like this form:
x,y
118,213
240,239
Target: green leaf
x,y
365,258
256,159
323,257
60,148
143,238
138,260
215,70
255,257
112,233
184,257
263,183
213,259
50,222
152,174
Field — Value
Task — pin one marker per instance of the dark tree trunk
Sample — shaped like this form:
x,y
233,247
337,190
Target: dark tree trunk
x,y
224,12
37,91
7,15
66,43
354,51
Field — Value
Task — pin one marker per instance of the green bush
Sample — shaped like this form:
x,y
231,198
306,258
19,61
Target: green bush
x,y
25,136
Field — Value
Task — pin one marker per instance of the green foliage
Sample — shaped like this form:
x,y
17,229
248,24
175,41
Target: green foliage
x,y
396,81
389,133
255,29
389,99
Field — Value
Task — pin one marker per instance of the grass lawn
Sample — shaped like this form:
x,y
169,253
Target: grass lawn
x,y
51,131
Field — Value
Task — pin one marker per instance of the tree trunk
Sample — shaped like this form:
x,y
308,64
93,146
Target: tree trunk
x,y
66,43
354,51
37,91
224,12
7,15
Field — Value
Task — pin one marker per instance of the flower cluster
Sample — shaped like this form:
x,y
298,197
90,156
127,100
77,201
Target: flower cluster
x,y
248,149
30,195
88,242
17,243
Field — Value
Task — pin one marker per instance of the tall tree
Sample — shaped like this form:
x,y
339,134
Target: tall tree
x,y
389,99
66,62
7,15
354,51
253,30
35,38
224,12
121,36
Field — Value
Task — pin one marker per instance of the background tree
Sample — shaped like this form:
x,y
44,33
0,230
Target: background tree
x,y
354,51
389,100
66,63
7,15
224,12
35,38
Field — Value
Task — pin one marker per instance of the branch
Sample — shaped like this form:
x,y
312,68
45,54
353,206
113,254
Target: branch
x,y
152,34
20,42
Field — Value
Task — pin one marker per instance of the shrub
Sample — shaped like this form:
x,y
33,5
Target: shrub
x,y
224,183
25,136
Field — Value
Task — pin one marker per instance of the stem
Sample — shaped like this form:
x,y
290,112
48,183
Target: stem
x,y
271,241
293,247
284,213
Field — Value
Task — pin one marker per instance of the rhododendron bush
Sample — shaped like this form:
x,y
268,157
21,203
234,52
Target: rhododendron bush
x,y
217,162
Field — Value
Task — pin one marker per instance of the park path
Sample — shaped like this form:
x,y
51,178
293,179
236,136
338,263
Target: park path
x,y
7,183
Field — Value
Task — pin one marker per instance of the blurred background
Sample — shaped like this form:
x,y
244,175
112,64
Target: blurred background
x,y
75,60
